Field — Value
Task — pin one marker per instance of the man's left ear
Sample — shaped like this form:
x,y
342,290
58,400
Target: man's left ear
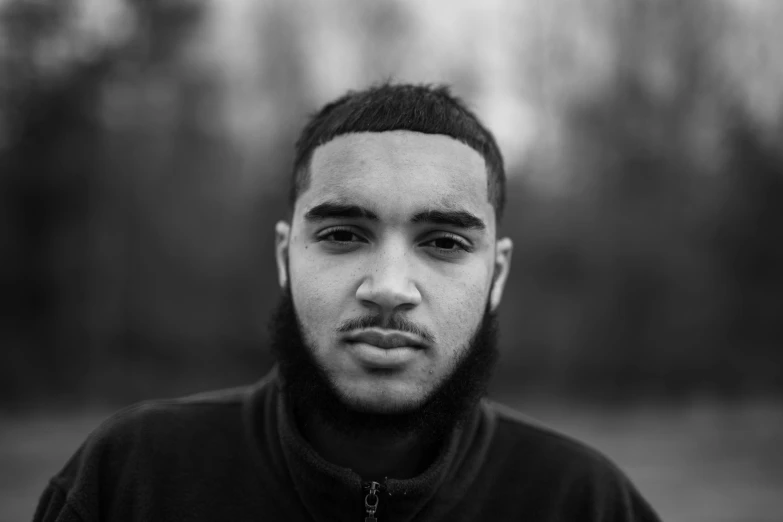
x,y
503,249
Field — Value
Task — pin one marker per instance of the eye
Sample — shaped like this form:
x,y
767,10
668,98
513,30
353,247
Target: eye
x,y
340,237
448,245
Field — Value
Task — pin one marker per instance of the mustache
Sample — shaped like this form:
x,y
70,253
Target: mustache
x,y
395,322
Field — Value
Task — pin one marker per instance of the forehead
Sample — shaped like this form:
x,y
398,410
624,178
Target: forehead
x,y
399,171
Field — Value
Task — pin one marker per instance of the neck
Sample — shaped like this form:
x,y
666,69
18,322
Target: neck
x,y
372,455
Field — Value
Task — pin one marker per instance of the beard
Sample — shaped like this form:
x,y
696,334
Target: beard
x,y
310,392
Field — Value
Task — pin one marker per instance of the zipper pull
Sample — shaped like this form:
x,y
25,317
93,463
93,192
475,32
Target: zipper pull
x,y
371,501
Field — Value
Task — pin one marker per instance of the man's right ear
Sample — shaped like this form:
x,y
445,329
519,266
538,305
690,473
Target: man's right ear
x,y
282,239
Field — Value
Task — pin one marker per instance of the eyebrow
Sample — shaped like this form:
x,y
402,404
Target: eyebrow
x,y
339,210
454,218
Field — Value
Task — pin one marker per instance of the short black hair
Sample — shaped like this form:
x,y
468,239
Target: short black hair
x,y
430,109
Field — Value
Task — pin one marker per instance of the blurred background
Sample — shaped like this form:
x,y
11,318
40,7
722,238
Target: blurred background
x,y
145,151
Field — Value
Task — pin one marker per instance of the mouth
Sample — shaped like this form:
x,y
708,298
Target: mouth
x,y
387,340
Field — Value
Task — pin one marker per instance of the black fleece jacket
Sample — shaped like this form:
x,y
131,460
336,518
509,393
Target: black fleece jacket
x,y
235,455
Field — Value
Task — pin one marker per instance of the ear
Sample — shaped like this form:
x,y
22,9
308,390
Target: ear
x,y
282,238
503,249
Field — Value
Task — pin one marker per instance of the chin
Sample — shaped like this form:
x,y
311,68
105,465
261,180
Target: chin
x,y
376,395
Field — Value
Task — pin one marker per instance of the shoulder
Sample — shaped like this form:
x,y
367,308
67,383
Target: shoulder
x,y
581,479
529,435
168,421
173,413
142,443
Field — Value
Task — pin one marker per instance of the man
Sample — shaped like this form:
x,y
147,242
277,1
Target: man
x,y
391,272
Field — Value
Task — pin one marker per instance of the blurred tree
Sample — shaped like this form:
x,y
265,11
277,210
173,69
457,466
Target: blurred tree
x,y
98,135
48,120
631,243
748,246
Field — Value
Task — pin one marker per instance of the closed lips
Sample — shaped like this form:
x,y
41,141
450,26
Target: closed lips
x,y
387,340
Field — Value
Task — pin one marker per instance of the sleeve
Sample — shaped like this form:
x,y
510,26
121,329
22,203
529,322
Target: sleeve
x,y
53,506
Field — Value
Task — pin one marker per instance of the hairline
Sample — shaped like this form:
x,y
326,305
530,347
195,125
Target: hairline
x,y
302,175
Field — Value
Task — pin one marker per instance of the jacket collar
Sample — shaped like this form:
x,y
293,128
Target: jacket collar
x,y
331,492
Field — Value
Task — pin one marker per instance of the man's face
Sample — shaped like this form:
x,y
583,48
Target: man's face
x,y
391,259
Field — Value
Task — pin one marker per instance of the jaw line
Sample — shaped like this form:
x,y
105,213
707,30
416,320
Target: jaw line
x,y
311,390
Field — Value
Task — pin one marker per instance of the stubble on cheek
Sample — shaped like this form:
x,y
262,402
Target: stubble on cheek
x,y
463,302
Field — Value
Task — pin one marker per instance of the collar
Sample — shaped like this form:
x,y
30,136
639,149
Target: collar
x,y
331,492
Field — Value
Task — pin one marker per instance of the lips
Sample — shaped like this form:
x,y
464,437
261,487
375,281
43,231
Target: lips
x,y
386,340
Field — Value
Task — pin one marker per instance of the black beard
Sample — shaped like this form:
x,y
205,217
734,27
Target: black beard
x,y
310,392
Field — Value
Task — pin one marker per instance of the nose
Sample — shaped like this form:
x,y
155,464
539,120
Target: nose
x,y
388,285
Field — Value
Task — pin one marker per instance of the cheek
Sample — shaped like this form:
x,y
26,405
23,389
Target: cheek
x,y
307,289
460,309
317,291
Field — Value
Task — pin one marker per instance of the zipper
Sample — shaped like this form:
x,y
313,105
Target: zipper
x,y
371,500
